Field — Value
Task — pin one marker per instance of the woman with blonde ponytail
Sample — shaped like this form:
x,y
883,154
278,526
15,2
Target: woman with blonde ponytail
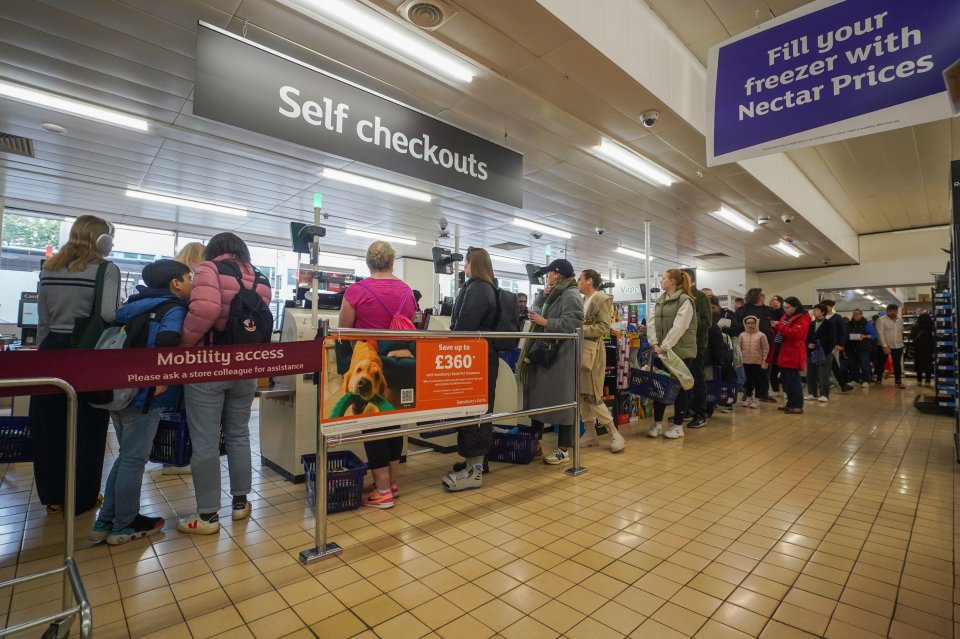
x,y
673,327
67,291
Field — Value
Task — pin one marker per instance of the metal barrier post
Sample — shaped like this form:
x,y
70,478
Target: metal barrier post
x,y
73,590
575,468
322,550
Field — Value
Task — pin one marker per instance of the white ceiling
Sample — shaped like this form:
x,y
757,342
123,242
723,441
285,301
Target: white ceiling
x,y
881,182
544,92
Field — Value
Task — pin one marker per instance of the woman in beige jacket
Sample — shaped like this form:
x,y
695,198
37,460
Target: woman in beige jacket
x,y
597,316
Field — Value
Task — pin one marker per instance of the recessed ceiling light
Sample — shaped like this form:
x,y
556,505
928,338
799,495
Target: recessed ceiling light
x,y
53,128
543,228
193,204
380,236
634,163
357,19
734,218
504,258
786,249
66,105
376,185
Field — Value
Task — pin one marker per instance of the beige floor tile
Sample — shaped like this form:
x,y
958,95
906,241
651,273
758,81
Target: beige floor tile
x,y
279,624
340,626
404,625
529,628
436,613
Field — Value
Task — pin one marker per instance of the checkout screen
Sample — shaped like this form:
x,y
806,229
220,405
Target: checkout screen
x,y
29,315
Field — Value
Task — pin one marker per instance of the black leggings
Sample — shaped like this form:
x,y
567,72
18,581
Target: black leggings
x,y
381,452
476,441
564,437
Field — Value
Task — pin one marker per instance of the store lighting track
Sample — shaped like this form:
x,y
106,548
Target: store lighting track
x,y
354,19
73,107
380,236
634,163
543,228
376,185
734,218
193,204
637,254
786,249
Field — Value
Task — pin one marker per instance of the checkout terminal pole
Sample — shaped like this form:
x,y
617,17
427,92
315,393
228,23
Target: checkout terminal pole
x,y
323,549
576,468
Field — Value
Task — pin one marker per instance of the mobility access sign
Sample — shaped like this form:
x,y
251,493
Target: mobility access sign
x,y
244,84
832,70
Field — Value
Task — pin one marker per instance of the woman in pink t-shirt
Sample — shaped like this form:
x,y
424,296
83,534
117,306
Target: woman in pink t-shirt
x,y
371,303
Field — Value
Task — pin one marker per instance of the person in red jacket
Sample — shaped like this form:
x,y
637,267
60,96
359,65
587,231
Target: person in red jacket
x,y
214,403
791,334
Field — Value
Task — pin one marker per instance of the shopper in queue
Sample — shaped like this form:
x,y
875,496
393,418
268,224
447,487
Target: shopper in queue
x,y
597,317
215,405
548,378
822,335
192,254
790,333
68,288
923,338
475,309
674,327
698,398
890,338
772,376
860,339
162,305
755,349
371,304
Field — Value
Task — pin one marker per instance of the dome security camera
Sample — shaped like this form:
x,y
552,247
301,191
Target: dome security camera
x,y
600,230
649,117
536,235
825,261
442,223
763,219
787,218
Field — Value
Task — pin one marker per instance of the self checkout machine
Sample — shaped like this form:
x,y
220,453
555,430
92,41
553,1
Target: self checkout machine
x,y
28,319
288,410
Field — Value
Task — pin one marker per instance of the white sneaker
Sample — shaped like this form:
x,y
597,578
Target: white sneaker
x,y
196,525
823,398
865,385
675,431
810,396
466,479
617,442
656,430
559,456
587,441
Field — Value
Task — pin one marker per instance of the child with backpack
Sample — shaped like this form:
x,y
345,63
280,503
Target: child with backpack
x,y
153,317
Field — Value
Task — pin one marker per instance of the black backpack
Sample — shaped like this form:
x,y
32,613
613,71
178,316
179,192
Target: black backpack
x,y
507,319
249,320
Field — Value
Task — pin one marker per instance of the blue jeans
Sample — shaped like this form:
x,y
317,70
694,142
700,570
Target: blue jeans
x,y
792,386
135,432
860,367
210,406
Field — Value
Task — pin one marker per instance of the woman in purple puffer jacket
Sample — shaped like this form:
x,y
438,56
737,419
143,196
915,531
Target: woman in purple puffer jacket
x,y
214,403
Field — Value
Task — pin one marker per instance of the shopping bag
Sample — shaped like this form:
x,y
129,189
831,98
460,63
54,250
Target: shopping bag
x,y
676,367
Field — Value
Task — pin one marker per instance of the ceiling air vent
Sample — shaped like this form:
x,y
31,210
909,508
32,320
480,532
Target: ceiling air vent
x,y
508,246
710,256
426,14
16,145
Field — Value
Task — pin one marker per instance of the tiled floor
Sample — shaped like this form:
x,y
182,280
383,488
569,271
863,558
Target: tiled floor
x,y
837,523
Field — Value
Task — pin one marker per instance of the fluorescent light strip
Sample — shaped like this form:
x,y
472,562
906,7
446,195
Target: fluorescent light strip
x,y
193,204
543,228
73,107
374,25
379,236
504,258
634,163
859,291
637,254
786,249
734,218
376,185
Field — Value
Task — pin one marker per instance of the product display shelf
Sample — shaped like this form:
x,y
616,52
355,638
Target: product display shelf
x,y
909,367
944,401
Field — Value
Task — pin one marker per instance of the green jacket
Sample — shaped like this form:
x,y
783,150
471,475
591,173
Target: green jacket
x,y
701,304
664,314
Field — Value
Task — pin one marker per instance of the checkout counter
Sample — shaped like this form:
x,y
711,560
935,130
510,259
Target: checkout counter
x,y
288,410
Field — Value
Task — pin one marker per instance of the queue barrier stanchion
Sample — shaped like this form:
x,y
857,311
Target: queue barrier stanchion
x,y
324,549
75,600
